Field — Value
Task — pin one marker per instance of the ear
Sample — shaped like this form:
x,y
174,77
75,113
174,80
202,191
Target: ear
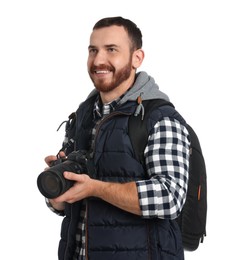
x,y
137,58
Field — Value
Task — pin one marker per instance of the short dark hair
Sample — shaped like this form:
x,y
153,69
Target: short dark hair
x,y
133,31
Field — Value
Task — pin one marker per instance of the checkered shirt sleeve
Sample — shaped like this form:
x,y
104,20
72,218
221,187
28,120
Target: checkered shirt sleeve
x,y
49,205
167,163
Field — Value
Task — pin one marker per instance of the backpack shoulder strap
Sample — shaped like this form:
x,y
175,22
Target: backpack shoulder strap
x,y
137,127
68,141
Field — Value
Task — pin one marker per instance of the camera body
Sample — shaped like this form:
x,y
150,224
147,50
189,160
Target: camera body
x,y
51,182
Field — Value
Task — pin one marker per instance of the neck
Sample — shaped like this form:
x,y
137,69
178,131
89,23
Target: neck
x,y
107,97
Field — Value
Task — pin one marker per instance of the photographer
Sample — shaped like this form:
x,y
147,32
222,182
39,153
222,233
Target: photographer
x,y
121,209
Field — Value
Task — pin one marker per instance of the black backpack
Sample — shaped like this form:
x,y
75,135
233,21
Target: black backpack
x,y
192,220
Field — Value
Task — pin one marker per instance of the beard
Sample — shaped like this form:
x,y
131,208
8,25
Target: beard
x,y
118,77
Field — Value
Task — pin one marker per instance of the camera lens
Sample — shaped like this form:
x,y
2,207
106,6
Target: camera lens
x,y
50,185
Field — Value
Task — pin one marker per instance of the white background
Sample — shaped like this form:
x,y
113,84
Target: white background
x,y
195,50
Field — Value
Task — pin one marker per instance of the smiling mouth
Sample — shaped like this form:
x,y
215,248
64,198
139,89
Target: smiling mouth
x,y
102,71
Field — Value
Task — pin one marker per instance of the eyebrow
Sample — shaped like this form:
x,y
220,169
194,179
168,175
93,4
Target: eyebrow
x,y
106,46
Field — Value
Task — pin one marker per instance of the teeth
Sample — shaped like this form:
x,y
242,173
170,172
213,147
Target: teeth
x,y
101,71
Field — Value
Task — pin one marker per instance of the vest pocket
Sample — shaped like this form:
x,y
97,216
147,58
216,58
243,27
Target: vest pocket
x,y
169,241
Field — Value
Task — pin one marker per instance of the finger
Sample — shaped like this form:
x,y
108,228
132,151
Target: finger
x,y
62,154
65,197
49,159
72,176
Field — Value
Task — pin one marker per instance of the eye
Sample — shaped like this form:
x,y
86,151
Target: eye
x,y
111,49
92,50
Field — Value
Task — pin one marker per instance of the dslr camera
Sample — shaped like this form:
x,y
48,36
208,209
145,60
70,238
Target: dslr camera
x,y
51,183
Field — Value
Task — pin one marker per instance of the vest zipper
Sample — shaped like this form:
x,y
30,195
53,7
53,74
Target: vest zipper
x,y
102,121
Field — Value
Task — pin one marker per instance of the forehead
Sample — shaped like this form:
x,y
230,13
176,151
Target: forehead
x,y
113,35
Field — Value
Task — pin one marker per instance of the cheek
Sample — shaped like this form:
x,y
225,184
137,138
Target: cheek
x,y
119,62
89,63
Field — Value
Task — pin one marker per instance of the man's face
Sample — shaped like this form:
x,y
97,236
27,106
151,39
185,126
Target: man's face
x,y
109,60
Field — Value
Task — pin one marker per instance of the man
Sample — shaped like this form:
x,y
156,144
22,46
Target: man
x,y
124,210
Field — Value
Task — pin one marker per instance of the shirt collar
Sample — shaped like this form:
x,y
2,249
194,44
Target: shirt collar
x,y
101,110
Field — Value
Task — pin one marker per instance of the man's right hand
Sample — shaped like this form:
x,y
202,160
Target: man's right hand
x,y
51,158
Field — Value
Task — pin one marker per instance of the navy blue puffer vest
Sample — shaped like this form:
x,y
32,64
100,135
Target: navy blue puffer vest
x,y
112,233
